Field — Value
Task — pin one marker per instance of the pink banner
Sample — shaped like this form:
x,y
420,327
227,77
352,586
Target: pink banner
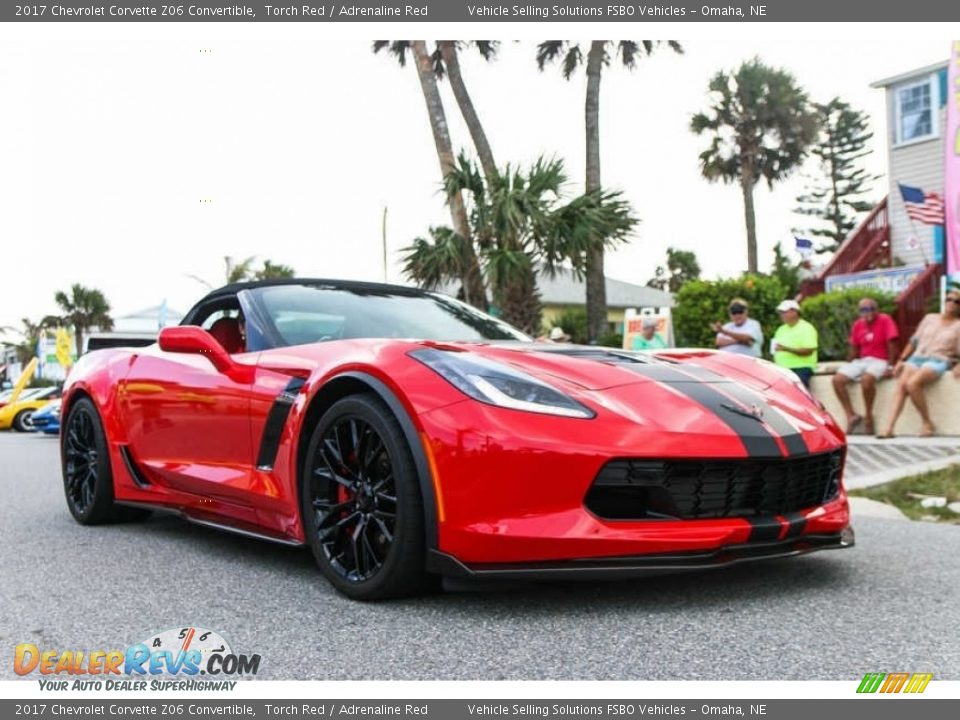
x,y
952,169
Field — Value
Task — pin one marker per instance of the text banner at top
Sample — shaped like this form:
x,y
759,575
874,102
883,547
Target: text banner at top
x,y
474,11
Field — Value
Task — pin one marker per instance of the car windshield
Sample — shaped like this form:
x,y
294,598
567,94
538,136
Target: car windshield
x,y
301,314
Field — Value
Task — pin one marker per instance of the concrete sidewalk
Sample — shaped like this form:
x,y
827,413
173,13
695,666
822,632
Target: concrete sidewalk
x,y
873,462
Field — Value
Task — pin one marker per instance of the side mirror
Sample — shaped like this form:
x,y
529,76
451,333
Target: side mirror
x,y
195,340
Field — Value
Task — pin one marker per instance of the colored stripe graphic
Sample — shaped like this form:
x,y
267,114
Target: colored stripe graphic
x,y
894,682
918,682
871,682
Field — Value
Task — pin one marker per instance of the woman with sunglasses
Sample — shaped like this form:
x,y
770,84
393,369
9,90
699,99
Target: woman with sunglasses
x,y
934,349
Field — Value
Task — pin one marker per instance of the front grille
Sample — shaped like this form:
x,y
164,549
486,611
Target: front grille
x,y
692,489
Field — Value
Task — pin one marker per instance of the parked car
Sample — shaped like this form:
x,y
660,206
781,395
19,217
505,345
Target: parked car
x,y
47,418
18,415
400,433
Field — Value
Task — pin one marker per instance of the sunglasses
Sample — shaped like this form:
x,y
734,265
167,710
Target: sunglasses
x,y
867,309
737,312
953,299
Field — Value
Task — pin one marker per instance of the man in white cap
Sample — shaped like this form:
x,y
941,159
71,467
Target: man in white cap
x,y
558,335
794,344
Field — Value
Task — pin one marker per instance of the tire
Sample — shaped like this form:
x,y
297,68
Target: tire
x,y
368,543
21,423
87,474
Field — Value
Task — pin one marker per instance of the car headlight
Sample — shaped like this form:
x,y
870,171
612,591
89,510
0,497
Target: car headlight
x,y
497,384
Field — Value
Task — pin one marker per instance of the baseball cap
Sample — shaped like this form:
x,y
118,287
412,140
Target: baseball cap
x,y
788,305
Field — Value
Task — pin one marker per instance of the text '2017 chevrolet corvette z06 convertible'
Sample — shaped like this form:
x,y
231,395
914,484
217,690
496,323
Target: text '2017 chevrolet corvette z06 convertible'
x,y
402,434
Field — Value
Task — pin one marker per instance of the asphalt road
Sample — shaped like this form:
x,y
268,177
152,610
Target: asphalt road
x,y
890,604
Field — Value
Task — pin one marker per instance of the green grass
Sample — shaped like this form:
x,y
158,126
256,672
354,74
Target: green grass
x,y
939,483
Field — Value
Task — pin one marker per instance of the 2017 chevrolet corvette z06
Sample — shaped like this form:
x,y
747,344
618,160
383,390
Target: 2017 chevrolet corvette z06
x,y
401,434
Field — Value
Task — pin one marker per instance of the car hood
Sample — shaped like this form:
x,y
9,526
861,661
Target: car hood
x,y
600,368
751,398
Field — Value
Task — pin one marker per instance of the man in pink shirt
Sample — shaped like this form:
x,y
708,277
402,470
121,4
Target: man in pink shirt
x,y
873,348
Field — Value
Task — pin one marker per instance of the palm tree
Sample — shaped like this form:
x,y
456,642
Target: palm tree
x,y
30,332
520,226
426,66
238,271
84,308
243,270
274,271
449,52
598,55
761,125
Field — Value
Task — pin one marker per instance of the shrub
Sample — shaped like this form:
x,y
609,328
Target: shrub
x,y
574,323
833,313
702,302
611,340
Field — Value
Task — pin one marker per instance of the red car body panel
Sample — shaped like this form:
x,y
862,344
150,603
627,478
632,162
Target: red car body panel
x,y
507,486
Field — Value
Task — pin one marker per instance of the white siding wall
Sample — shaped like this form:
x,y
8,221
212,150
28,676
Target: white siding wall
x,y
921,165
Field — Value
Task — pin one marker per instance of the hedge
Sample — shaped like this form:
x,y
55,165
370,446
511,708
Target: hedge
x,y
833,314
702,302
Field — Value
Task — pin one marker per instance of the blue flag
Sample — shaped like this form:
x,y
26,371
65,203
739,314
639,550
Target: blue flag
x,y
911,194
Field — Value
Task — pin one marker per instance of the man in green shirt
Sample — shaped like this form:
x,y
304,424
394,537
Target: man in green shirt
x,y
794,344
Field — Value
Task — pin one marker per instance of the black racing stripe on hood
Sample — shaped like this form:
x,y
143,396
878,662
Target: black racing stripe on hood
x,y
792,438
756,439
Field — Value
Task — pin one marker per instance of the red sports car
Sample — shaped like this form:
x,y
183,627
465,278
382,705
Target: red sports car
x,y
402,434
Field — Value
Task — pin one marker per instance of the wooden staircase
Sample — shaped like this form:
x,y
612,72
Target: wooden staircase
x,y
868,248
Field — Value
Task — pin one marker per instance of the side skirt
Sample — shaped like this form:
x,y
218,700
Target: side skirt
x,y
211,524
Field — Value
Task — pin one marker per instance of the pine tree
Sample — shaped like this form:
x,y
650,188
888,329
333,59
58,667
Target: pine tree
x,y
836,195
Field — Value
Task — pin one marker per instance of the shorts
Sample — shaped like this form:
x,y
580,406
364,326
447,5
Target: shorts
x,y
805,374
856,369
938,365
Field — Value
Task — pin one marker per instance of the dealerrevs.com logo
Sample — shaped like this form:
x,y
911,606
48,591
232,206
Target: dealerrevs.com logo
x,y
178,659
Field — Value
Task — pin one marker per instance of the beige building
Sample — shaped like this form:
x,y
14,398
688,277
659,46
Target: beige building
x,y
564,292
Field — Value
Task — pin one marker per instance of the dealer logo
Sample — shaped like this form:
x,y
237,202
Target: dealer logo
x,y
186,652
894,682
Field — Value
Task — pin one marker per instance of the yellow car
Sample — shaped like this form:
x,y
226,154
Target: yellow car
x,y
17,414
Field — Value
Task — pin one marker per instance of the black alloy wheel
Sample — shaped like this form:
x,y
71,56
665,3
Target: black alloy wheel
x,y
361,504
81,466
87,475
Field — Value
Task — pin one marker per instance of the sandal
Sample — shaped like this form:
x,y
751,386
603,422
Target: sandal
x,y
853,422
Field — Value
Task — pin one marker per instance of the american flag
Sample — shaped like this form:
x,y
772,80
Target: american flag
x,y
925,207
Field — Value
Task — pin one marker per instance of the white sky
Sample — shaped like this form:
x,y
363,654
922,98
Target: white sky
x,y
298,136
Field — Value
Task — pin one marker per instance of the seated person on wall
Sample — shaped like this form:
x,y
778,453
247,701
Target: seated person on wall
x,y
742,335
933,349
649,338
794,344
873,350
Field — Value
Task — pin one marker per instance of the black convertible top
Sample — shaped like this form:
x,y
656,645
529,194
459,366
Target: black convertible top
x,y
234,288
350,285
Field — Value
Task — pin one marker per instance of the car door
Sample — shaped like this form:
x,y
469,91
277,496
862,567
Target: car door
x,y
188,424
